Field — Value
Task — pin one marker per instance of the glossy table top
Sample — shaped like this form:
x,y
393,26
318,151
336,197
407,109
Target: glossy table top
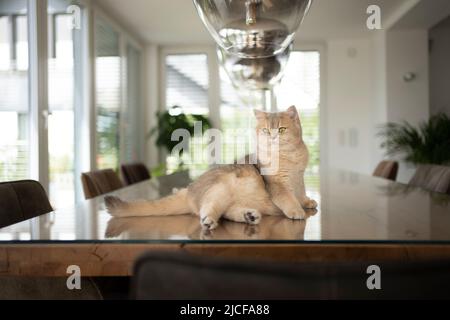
x,y
352,207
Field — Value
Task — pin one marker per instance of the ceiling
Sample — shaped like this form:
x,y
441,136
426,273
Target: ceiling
x,y
171,22
425,14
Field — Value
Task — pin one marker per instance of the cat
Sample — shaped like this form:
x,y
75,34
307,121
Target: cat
x,y
280,145
239,192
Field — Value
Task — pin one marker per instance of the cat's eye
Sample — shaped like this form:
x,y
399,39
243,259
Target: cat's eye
x,y
282,130
266,131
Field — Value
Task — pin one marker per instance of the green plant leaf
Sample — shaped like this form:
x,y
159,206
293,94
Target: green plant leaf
x,y
168,123
429,143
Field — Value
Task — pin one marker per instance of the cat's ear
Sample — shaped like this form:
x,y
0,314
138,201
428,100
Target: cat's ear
x,y
292,112
259,114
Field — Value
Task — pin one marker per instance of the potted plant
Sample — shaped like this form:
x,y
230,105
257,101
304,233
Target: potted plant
x,y
429,143
169,121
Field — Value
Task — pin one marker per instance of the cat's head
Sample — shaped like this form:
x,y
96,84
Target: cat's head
x,y
284,126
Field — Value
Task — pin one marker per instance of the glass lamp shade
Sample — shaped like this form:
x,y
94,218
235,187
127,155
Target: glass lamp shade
x,y
253,28
254,74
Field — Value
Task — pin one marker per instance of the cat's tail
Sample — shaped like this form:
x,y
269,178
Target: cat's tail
x,y
175,204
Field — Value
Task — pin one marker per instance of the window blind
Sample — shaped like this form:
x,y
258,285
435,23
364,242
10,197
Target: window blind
x,y
187,82
108,95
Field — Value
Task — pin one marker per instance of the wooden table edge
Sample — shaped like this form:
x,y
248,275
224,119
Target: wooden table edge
x,y
52,260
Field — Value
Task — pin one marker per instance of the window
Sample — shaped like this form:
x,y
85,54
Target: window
x,y
118,96
301,87
187,85
187,82
14,107
61,91
237,119
108,95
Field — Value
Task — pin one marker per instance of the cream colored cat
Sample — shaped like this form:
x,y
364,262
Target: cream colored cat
x,y
239,192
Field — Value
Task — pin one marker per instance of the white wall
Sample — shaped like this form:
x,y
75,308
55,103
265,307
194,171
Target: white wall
x,y
349,104
440,68
366,89
407,51
379,111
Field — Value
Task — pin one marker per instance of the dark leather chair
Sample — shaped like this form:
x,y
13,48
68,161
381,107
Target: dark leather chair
x,y
100,182
135,173
50,288
433,178
159,276
387,170
22,200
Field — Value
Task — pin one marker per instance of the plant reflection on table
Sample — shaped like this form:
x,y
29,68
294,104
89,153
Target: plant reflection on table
x,y
188,228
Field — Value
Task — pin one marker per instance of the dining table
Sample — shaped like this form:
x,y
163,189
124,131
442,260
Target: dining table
x,y
359,218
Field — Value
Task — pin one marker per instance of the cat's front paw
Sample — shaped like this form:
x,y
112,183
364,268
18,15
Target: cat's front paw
x,y
209,223
309,204
252,216
295,213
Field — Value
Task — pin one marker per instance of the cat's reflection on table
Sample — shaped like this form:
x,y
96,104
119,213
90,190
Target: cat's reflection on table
x,y
188,228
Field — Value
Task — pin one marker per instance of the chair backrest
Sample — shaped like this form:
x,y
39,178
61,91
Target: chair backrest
x,y
97,183
210,278
135,173
387,170
22,200
433,178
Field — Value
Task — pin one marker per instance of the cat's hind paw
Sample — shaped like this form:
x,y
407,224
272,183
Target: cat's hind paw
x,y
252,217
209,223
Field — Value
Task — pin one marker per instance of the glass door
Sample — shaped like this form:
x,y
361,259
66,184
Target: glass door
x,y
108,66
187,87
14,106
61,98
